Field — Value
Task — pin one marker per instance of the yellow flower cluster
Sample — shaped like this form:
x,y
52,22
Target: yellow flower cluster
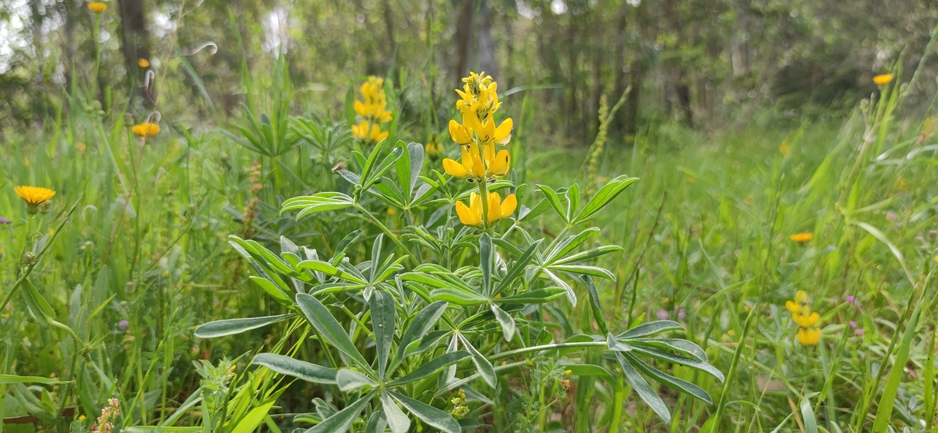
x,y
882,80
497,209
146,129
477,135
372,112
34,196
801,237
97,7
802,315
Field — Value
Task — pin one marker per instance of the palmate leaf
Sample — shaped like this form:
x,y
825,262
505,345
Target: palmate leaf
x,y
397,419
329,328
383,321
319,202
483,365
221,328
430,415
299,369
342,420
643,389
606,194
419,327
431,367
671,381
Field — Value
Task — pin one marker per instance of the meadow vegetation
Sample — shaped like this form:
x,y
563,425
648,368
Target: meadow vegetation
x,y
401,258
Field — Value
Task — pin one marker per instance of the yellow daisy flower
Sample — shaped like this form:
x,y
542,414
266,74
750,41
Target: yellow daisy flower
x,y
145,130
801,237
97,7
882,80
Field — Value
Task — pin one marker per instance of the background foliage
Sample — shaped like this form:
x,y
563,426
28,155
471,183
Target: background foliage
x,y
746,122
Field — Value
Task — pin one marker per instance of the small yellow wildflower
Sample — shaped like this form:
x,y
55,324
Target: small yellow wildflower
x,y
882,80
568,371
472,215
784,148
146,129
391,211
801,237
143,63
433,148
808,337
369,133
802,315
81,417
97,7
81,147
34,195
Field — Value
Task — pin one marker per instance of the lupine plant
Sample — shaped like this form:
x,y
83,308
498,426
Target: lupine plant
x,y
451,323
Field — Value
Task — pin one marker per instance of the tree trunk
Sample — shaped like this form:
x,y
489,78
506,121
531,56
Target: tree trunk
x,y
135,41
464,26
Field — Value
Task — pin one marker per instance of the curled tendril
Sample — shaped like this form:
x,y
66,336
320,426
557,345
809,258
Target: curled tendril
x,y
84,211
154,117
148,78
213,48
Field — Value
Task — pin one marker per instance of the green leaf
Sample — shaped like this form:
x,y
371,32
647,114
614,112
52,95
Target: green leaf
x,y
595,305
342,420
328,269
293,367
486,262
382,168
330,329
554,201
349,380
517,268
573,200
810,422
594,271
431,367
272,290
458,297
383,320
606,194
505,320
680,360
651,328
255,417
397,419
537,296
644,391
319,202
428,414
586,370
221,328
419,327
888,399
671,381
7,379
483,365
571,295
675,344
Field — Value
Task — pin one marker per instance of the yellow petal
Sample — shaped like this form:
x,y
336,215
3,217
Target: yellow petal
x,y
466,216
500,164
808,337
508,206
459,133
360,108
454,168
503,132
487,133
478,170
495,210
793,307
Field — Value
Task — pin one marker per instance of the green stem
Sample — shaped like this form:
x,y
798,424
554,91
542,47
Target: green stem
x,y
386,231
546,347
484,196
725,395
